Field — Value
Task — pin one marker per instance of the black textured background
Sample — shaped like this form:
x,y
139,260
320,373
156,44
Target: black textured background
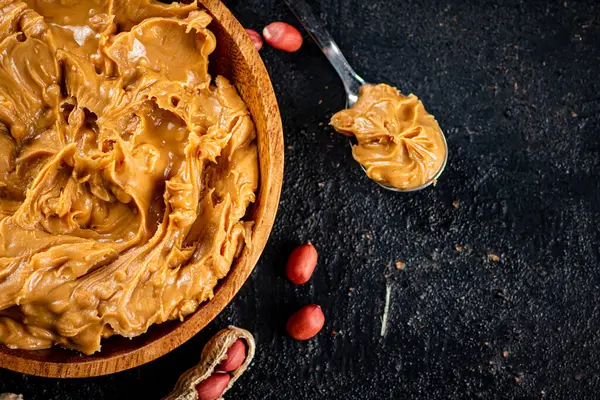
x,y
516,87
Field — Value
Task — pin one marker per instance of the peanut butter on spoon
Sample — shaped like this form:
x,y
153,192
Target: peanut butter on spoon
x,y
399,143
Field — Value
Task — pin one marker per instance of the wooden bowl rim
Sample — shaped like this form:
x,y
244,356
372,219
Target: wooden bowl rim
x,y
270,190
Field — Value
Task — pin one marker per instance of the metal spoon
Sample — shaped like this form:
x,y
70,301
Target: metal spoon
x,y
352,81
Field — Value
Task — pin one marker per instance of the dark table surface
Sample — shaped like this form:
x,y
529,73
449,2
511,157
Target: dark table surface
x,y
516,87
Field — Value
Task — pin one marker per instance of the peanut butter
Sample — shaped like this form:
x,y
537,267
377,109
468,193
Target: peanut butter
x,y
399,143
125,175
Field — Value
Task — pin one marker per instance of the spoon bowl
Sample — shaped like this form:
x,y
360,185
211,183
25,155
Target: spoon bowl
x,y
430,182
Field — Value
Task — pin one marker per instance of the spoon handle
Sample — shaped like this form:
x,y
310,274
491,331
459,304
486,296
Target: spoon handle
x,y
316,29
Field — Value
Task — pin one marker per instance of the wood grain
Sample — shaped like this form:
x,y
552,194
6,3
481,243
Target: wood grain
x,y
236,59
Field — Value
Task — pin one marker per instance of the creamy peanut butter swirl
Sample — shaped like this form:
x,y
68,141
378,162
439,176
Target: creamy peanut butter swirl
x,y
399,143
124,174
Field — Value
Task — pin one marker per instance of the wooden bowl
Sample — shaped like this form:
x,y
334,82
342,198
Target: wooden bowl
x,y
236,59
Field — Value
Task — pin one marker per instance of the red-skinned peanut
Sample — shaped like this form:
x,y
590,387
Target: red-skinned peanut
x,y
301,263
306,322
256,38
235,357
283,36
213,387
